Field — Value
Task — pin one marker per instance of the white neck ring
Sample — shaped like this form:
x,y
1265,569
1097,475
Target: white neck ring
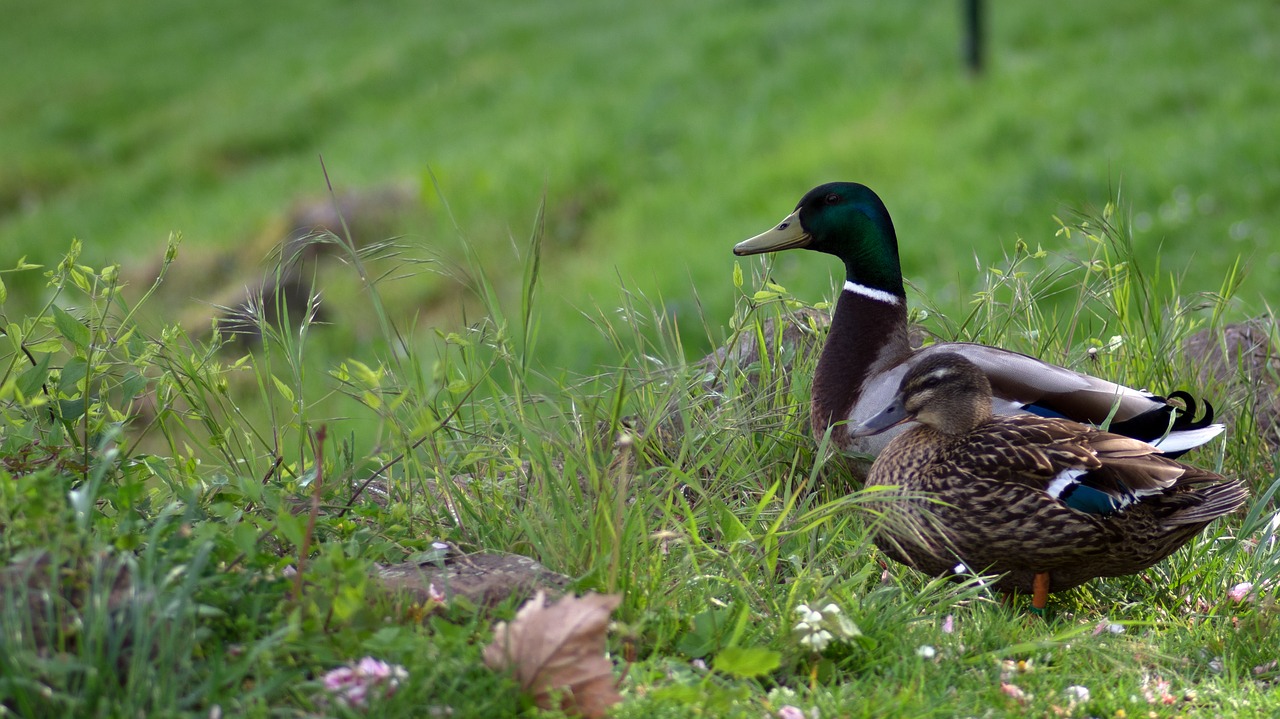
x,y
871,293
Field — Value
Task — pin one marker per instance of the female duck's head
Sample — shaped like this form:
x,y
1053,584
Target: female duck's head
x,y
942,390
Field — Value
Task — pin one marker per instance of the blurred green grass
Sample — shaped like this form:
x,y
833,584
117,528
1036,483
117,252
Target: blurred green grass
x,y
660,134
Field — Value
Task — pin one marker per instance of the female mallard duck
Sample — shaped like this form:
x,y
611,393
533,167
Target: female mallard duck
x,y
867,352
1046,502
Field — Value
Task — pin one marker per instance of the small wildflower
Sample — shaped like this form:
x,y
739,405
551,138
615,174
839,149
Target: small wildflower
x,y
699,665
352,685
790,712
808,617
1076,693
927,652
818,628
1108,626
949,624
1240,592
1156,690
1009,667
434,594
1014,691
817,641
783,695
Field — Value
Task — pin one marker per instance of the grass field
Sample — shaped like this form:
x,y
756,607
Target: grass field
x,y
659,134
169,552
174,522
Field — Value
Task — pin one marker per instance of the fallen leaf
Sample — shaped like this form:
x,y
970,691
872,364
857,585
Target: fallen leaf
x,y
557,653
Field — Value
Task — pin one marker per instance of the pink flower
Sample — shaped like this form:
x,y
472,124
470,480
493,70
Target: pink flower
x,y
1108,626
948,624
1014,691
351,684
435,595
790,712
1156,690
1240,592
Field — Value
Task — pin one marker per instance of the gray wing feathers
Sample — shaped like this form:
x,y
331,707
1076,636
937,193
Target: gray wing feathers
x,y
1027,380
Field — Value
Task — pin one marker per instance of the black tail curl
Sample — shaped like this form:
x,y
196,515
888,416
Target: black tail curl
x,y
1186,418
1170,417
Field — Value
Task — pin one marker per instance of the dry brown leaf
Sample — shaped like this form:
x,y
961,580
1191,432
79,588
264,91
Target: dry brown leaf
x,y
559,648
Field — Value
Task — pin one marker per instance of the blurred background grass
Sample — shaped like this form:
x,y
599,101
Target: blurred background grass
x,y
659,133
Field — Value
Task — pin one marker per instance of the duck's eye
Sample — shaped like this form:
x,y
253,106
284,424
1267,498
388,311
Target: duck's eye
x,y
832,199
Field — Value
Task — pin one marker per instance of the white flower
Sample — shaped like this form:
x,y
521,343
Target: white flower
x,y
926,651
846,628
817,629
783,695
818,640
808,616
1076,693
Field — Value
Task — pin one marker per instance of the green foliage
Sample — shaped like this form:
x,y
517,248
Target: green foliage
x,y
190,524
658,133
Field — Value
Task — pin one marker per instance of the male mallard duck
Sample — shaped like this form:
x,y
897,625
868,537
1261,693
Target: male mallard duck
x,y
867,352
1047,502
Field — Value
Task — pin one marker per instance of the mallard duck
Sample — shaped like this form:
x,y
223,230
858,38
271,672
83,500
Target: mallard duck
x,y
1046,502
867,351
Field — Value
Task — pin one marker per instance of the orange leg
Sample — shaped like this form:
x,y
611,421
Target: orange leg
x,y
1040,592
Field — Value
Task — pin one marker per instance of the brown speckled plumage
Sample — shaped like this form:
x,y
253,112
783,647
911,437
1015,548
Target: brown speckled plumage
x,y
965,486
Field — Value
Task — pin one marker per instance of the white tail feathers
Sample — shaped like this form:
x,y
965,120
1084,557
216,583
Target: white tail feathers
x,y
1185,439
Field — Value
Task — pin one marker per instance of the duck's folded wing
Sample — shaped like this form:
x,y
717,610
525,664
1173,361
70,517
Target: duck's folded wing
x,y
1022,382
1087,470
